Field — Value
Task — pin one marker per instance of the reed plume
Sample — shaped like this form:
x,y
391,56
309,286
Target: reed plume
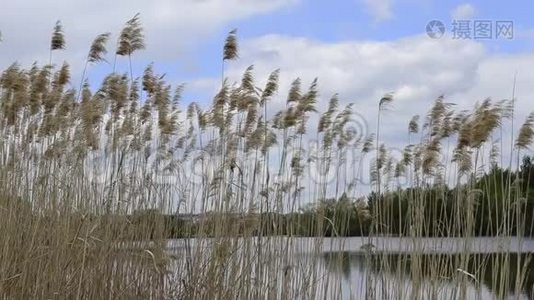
x,y
131,39
526,133
271,87
57,41
98,49
413,126
230,49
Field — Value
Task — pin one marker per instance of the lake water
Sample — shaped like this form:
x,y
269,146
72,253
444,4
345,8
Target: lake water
x,y
379,267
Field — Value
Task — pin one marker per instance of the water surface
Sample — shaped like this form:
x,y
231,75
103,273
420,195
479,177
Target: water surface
x,y
387,267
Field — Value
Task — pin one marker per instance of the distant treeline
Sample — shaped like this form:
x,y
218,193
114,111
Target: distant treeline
x,y
494,193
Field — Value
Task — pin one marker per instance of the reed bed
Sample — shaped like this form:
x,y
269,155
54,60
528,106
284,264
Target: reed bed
x,y
95,180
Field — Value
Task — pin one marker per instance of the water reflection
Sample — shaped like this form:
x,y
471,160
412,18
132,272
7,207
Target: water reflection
x,y
431,276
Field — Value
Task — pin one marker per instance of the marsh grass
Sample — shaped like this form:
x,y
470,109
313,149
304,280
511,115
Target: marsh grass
x,y
89,178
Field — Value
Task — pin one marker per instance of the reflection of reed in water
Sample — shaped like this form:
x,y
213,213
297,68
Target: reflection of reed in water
x,y
483,269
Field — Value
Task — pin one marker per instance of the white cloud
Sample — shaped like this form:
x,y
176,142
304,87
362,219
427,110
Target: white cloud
x,y
417,69
463,11
171,27
379,10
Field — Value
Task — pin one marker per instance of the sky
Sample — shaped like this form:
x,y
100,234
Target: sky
x,y
359,49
